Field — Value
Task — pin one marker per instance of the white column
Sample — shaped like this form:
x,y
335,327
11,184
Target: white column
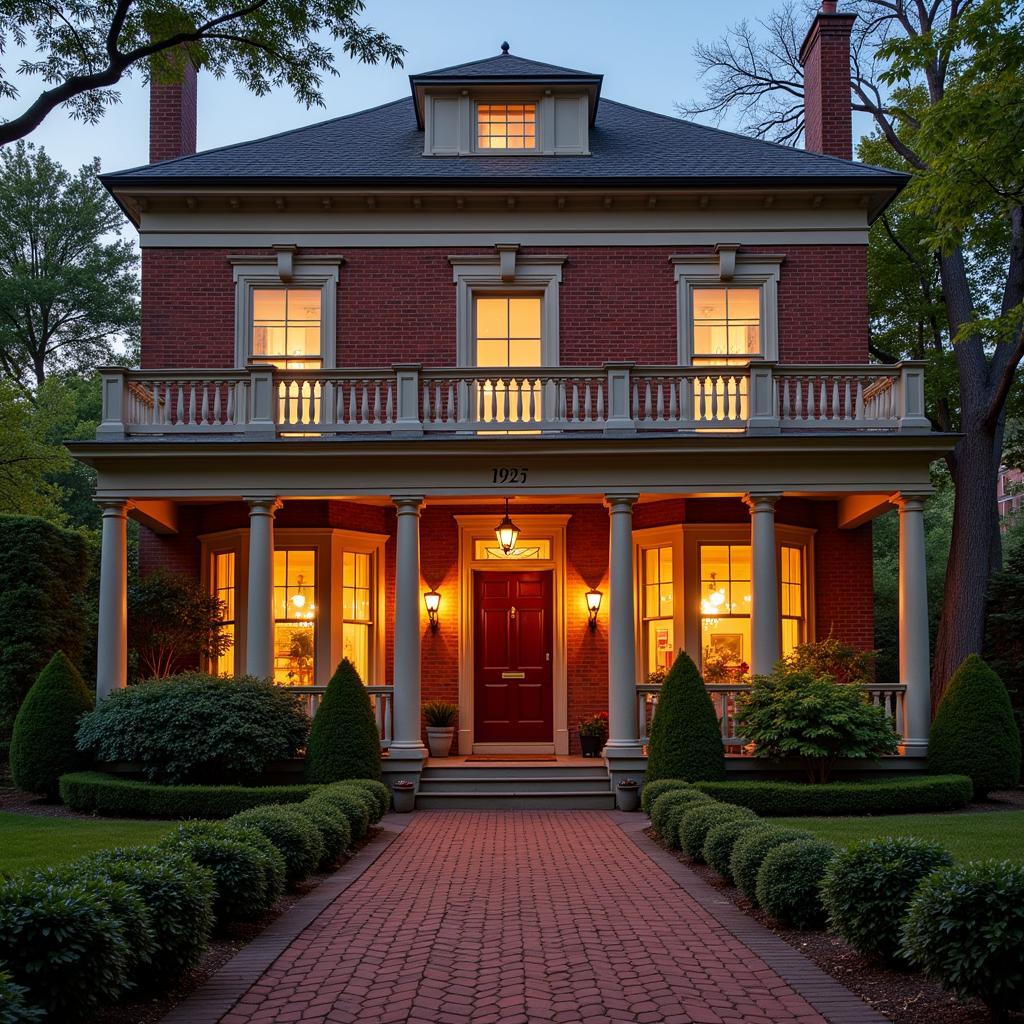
x,y
112,639
914,656
623,741
406,744
765,635
259,621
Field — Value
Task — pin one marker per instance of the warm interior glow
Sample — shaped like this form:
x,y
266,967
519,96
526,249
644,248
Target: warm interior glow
x,y
222,586
286,327
658,607
506,125
294,616
357,582
726,322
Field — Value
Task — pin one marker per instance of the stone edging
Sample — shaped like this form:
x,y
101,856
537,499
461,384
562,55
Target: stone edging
x,y
219,993
831,999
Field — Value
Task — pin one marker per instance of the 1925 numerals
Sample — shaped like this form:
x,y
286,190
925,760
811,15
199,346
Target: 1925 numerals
x,y
507,475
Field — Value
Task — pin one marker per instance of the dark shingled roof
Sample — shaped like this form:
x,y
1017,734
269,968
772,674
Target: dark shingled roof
x,y
505,65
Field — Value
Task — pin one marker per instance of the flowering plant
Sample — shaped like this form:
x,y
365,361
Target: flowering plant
x,y
720,669
595,725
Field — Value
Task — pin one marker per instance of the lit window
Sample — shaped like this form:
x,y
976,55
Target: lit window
x,y
222,586
726,324
286,327
506,126
657,608
357,610
791,580
725,602
526,549
508,330
295,608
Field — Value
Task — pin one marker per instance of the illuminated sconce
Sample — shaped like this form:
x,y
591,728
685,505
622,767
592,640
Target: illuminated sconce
x,y
507,533
593,604
432,599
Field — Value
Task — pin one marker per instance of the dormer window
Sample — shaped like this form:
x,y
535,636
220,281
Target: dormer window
x,y
506,125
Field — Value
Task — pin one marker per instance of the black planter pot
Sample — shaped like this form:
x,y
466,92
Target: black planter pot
x,y
591,745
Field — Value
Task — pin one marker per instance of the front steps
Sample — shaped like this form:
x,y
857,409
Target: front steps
x,y
519,786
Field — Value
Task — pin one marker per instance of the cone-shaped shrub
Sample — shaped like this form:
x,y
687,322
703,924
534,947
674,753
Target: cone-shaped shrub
x,y
686,739
344,742
974,733
43,743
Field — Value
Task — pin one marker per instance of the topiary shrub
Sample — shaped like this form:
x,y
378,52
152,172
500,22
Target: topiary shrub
x,y
333,827
965,929
974,732
179,895
237,866
296,837
789,882
43,742
344,742
652,790
380,793
868,887
661,807
697,821
197,728
62,942
43,572
719,842
13,1008
351,805
686,739
750,850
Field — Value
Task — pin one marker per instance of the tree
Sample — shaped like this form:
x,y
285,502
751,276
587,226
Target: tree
x,y
88,47
344,742
68,286
944,86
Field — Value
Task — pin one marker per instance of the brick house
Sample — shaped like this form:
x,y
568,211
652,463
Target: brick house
x,y
369,342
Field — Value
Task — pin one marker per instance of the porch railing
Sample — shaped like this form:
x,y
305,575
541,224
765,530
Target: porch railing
x,y
763,397
892,698
381,699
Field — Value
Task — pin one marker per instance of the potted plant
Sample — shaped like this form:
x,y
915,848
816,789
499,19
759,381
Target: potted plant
x,y
593,731
403,795
440,718
627,795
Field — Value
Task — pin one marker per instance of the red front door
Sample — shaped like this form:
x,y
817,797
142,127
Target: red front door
x,y
513,697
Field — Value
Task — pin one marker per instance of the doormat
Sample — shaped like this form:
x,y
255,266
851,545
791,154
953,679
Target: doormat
x,y
510,757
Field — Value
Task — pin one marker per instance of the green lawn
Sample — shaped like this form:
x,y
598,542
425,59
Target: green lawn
x,y
998,834
27,841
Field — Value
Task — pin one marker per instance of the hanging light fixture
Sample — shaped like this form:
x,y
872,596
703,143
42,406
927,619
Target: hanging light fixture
x,y
302,609
507,533
299,598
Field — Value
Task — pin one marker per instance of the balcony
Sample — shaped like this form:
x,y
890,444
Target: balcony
x,y
618,398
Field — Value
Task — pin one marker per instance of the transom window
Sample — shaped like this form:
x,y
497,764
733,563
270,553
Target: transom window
x,y
286,327
791,580
528,549
725,602
295,613
222,586
508,330
726,324
658,608
506,125
357,587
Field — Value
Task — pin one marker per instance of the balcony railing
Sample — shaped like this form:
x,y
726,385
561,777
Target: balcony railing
x,y
381,699
761,398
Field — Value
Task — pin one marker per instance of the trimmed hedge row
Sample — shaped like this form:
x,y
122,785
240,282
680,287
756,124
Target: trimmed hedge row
x,y
889,796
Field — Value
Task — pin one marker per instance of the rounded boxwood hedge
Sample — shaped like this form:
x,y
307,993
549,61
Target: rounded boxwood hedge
x,y
652,790
380,793
344,742
789,882
333,827
43,743
661,806
697,820
911,795
293,833
116,797
750,850
352,804
274,868
868,887
719,843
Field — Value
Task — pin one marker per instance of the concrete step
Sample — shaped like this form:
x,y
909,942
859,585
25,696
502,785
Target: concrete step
x,y
533,800
513,771
459,783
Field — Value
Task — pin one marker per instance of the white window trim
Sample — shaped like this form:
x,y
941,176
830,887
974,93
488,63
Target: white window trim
x,y
286,270
644,540
506,273
724,268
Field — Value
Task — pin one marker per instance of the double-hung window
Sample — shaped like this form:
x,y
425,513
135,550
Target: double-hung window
x,y
222,587
726,325
286,327
295,616
358,605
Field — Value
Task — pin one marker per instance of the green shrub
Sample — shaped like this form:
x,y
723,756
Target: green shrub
x,y
844,664
697,821
868,887
965,929
274,868
179,895
910,795
795,713
440,714
652,790
237,866
333,827
43,570
686,739
344,742
116,797
974,732
197,728
367,799
43,742
789,882
750,850
673,798
296,837
719,842
380,793
13,1008
62,942
346,800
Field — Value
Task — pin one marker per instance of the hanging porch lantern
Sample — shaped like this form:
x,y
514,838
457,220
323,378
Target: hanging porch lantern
x,y
507,533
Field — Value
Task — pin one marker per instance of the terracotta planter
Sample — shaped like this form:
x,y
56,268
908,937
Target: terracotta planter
x,y
439,740
403,795
591,745
627,795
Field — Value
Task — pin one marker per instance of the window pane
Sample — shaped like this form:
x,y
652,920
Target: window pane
x,y
660,644
355,645
744,303
294,644
709,304
295,604
506,125
726,322
524,317
524,353
508,330
492,353
491,318
268,303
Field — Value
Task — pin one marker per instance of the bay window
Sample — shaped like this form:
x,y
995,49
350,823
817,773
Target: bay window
x,y
726,598
791,605
295,616
657,608
358,608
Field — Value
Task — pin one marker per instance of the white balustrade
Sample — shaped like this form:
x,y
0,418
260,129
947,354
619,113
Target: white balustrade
x,y
838,397
380,700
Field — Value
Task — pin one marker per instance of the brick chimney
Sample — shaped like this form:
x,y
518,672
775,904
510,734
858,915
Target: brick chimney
x,y
172,115
825,56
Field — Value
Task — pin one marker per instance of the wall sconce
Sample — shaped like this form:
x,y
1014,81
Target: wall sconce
x,y
432,599
593,604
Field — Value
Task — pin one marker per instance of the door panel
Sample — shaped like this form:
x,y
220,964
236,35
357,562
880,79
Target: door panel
x,y
513,693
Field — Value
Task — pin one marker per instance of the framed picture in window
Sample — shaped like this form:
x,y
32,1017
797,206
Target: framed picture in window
x,y
729,646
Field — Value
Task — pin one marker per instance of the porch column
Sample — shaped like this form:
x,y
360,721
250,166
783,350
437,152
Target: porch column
x,y
112,638
406,745
765,639
914,655
623,741
259,622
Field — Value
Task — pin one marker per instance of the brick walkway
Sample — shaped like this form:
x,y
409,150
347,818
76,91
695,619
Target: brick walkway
x,y
502,917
